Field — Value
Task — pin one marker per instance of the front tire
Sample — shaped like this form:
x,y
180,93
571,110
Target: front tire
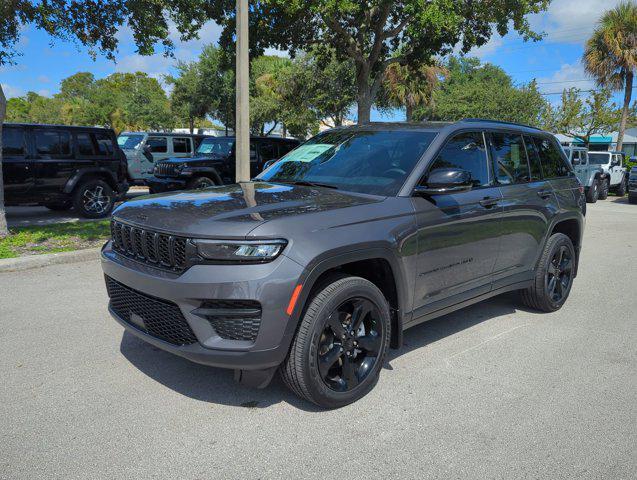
x,y
93,199
553,276
603,190
341,344
200,182
593,192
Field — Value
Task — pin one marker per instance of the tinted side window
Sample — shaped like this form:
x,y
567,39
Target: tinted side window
x,y
551,158
104,143
13,142
268,151
253,152
468,152
534,159
181,145
53,142
509,157
84,144
157,144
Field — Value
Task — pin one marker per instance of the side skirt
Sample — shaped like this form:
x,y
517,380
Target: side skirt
x,y
465,303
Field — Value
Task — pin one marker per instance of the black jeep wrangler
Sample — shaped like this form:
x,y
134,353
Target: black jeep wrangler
x,y
213,163
63,167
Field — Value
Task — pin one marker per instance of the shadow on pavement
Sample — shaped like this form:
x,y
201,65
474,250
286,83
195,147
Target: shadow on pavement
x,y
216,385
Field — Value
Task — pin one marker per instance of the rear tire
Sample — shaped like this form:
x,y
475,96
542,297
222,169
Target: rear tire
x,y
593,192
621,188
93,199
553,276
603,190
336,357
200,182
632,199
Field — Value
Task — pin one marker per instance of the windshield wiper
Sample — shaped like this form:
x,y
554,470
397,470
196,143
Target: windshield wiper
x,y
307,184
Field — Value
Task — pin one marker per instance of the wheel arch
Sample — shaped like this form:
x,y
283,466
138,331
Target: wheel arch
x,y
88,174
572,227
209,172
379,266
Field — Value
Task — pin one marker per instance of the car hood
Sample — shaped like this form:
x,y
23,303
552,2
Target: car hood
x,y
233,211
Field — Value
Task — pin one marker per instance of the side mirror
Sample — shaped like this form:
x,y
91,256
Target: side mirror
x,y
445,181
269,163
147,153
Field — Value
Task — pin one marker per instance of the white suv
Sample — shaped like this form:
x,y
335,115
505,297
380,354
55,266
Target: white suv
x,y
613,165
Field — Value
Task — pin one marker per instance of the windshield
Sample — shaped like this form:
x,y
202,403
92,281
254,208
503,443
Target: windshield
x,y
598,158
220,146
374,162
129,142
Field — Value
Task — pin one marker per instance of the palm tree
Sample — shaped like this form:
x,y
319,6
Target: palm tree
x,y
611,55
412,86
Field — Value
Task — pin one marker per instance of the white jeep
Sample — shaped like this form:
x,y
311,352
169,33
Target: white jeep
x,y
613,165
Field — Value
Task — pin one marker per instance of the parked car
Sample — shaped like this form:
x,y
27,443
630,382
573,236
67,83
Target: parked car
x,y
213,163
616,176
632,186
144,149
63,167
589,175
317,266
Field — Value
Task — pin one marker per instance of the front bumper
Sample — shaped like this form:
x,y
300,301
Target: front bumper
x,y
166,184
271,284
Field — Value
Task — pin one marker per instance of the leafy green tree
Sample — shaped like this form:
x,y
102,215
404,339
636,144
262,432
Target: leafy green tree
x,y
373,34
18,109
411,86
187,100
580,117
474,90
611,55
217,85
328,81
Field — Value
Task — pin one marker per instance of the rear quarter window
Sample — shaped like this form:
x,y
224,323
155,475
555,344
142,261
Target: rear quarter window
x,y
13,142
554,165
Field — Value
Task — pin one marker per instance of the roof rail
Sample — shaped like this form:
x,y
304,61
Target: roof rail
x,y
498,121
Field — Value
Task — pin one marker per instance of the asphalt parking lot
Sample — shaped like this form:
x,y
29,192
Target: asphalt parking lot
x,y
492,391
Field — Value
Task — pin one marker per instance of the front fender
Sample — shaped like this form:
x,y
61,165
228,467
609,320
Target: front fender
x,y
79,174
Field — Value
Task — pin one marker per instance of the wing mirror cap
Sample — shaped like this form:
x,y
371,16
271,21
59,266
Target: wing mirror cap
x,y
445,181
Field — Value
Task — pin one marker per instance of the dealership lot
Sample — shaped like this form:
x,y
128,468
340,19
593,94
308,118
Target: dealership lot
x,y
490,391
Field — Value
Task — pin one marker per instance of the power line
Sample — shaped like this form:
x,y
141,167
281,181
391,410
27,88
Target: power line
x,y
581,91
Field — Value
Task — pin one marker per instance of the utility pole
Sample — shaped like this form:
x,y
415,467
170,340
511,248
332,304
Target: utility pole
x,y
242,128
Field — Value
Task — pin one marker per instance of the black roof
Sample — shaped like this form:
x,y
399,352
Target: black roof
x,y
439,125
49,125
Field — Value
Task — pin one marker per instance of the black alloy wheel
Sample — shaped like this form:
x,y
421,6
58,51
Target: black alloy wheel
x,y
350,344
559,274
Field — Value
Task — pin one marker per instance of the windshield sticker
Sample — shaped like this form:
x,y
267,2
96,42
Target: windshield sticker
x,y
307,153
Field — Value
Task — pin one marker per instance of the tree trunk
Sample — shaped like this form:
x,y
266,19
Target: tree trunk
x,y
3,219
191,122
364,98
409,112
622,125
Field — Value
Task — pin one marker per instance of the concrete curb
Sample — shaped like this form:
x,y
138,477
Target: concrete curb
x,y
37,261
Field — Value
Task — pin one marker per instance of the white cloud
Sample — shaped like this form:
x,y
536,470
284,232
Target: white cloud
x,y
11,92
43,79
571,21
569,75
494,43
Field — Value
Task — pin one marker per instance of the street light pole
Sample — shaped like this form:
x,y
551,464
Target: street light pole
x,y
242,127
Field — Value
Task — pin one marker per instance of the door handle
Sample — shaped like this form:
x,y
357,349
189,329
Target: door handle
x,y
544,194
489,202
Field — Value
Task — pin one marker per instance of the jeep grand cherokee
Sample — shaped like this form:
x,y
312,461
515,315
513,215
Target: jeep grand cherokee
x,y
317,266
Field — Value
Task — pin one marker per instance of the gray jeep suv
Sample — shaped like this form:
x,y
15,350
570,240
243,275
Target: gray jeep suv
x,y
317,266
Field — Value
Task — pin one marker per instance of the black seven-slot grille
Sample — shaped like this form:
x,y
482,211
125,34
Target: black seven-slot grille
x,y
166,169
159,318
232,319
157,249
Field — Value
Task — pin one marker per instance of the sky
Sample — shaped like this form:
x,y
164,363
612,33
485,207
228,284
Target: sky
x,y
554,62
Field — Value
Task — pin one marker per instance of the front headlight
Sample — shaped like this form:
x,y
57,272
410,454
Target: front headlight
x,y
240,251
